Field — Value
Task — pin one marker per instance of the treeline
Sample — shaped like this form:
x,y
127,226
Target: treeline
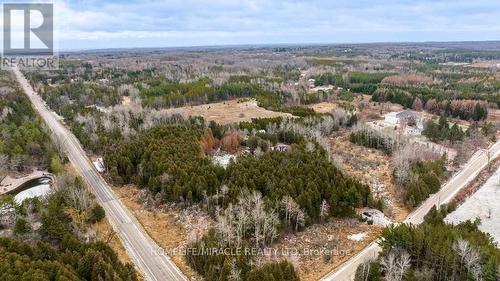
x,y
24,144
372,138
434,251
424,180
358,82
435,100
160,93
442,130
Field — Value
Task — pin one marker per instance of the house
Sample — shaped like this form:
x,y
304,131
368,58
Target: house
x,y
281,147
406,114
412,119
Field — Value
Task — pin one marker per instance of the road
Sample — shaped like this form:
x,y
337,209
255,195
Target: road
x,y
144,252
448,191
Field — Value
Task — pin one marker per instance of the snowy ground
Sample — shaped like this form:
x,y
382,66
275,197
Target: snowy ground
x,y
358,236
223,159
483,204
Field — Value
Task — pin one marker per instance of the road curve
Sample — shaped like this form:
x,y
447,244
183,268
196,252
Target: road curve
x,y
447,192
144,252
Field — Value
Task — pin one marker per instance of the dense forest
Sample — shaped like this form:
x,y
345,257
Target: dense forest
x,y
170,160
434,251
70,99
24,144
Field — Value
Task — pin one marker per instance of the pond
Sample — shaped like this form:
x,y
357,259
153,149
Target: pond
x,y
31,189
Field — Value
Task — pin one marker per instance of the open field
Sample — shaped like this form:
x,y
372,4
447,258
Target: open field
x,y
323,107
229,112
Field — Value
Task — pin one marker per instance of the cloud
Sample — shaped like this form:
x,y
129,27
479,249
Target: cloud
x,y
148,23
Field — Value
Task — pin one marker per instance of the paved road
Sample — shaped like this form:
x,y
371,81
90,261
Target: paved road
x,y
141,248
446,193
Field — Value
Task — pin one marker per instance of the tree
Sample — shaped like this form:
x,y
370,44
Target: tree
x,y
417,104
55,165
97,214
395,264
22,227
469,257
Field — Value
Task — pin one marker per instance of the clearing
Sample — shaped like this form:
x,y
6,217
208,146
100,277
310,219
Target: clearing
x,y
227,112
323,107
371,167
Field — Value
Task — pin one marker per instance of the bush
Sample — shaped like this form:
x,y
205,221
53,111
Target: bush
x,y
55,165
22,227
96,214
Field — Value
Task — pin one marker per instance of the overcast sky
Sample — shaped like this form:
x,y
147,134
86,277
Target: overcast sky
x,y
83,24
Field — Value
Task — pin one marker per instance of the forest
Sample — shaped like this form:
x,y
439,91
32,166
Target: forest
x,y
24,144
170,160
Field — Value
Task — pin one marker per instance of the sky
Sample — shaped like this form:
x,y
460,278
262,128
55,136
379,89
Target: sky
x,y
97,24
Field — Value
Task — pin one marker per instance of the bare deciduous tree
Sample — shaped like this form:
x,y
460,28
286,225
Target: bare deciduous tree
x,y
395,264
469,257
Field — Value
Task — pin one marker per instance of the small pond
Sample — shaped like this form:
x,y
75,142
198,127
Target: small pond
x,y
31,189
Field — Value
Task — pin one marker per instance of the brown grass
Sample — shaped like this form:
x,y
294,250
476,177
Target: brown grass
x,y
371,167
332,235
160,225
323,107
228,112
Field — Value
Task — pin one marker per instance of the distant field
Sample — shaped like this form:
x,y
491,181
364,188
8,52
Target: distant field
x,y
229,111
323,107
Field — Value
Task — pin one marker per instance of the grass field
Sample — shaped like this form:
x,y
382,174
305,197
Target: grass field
x,y
228,112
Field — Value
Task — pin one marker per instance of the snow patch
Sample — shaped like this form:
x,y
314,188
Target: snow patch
x,y
223,160
358,236
483,205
